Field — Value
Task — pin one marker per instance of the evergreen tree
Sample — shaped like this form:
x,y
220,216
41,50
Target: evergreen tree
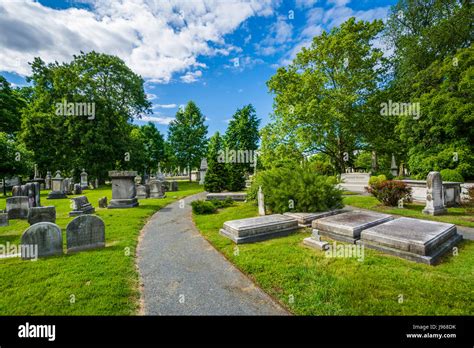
x,y
215,180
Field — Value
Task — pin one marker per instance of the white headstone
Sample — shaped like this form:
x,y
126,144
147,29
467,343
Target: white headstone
x,y
261,202
434,195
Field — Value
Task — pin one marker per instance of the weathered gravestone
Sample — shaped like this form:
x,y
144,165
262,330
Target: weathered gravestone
x,y
80,205
123,189
57,190
170,185
315,241
85,232
202,171
77,189
3,219
103,202
47,183
434,195
84,182
41,214
17,207
44,238
157,189
143,191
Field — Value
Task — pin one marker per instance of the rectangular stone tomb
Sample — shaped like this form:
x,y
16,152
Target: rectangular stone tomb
x,y
123,189
416,240
235,196
42,214
305,219
259,228
81,205
347,227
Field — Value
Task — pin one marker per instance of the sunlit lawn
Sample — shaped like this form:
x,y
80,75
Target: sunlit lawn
x,y
97,282
308,283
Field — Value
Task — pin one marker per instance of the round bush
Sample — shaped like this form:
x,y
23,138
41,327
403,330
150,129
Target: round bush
x,y
451,175
390,192
203,207
296,189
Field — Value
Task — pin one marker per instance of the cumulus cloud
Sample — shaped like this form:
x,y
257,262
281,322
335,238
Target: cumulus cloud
x,y
165,106
279,36
157,39
164,120
191,76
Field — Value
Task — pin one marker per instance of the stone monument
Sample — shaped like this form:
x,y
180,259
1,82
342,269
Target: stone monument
x,y
44,237
17,207
3,219
434,195
84,182
85,232
261,201
157,189
41,214
202,171
57,189
123,189
80,205
393,167
48,180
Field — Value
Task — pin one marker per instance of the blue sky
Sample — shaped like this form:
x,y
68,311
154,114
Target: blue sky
x,y
218,53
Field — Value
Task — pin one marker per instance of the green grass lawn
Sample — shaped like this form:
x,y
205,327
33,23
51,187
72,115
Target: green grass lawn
x,y
456,215
97,282
307,282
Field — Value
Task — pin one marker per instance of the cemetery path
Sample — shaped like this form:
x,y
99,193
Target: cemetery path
x,y
182,274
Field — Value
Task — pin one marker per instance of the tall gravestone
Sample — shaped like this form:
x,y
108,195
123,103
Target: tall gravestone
x,y
45,238
85,232
261,201
84,182
393,167
57,189
47,183
202,171
157,189
434,195
123,189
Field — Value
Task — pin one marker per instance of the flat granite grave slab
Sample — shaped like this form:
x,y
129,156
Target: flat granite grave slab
x,y
347,227
236,196
305,219
413,239
259,228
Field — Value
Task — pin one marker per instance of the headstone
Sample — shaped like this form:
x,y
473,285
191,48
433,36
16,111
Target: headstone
x,y
434,195
202,171
393,167
103,202
413,239
258,228
37,190
85,232
77,189
84,182
16,191
3,219
80,205
66,186
44,237
41,214
157,189
315,241
96,182
347,227
31,194
17,207
143,191
123,189
355,182
47,184
261,202
57,189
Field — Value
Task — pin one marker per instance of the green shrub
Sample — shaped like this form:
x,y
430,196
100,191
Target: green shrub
x,y
213,183
296,189
451,175
222,203
390,192
203,207
377,179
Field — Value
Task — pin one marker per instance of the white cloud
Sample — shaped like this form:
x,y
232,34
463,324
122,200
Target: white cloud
x,y
303,4
157,39
151,96
279,35
191,76
165,120
165,106
242,63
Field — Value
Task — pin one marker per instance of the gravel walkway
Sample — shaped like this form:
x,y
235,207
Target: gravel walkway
x,y
182,274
